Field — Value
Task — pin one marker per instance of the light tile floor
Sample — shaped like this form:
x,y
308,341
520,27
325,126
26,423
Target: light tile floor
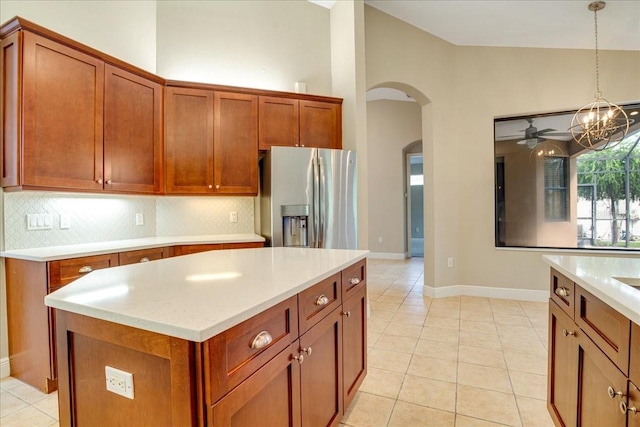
x,y
459,361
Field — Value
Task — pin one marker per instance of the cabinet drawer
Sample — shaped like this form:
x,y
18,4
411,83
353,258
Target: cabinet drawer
x,y
144,255
233,355
609,329
563,292
243,245
65,271
319,300
194,249
354,278
634,363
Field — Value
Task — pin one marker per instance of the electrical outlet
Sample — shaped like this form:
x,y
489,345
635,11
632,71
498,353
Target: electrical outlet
x,y
233,216
380,239
65,221
119,382
139,219
450,262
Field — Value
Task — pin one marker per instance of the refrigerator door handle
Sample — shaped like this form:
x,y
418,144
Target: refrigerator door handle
x,y
316,203
321,207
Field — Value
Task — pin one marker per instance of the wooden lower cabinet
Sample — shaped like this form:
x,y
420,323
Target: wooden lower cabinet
x,y
588,383
270,397
321,372
354,344
562,367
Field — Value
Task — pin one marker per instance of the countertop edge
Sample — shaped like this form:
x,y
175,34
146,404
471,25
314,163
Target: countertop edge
x,y
55,253
596,290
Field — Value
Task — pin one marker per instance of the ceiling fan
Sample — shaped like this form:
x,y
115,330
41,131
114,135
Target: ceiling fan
x,y
532,136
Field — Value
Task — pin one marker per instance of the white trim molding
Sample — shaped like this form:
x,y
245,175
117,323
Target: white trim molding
x,y
5,371
487,292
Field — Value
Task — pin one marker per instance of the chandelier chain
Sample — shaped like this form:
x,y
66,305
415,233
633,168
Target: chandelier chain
x,y
595,25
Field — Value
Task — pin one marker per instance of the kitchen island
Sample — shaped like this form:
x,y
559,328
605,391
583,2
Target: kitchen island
x,y
246,336
594,341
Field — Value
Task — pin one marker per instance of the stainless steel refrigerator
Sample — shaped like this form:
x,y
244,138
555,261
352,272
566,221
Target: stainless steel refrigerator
x,y
308,198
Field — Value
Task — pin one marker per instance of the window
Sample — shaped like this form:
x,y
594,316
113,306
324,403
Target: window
x,y
552,193
555,188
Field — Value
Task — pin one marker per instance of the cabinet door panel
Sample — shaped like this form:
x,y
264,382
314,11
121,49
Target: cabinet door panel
x,y
321,372
634,403
634,364
63,110
596,374
189,144
278,122
132,132
563,367
320,124
270,397
235,143
609,329
354,341
10,107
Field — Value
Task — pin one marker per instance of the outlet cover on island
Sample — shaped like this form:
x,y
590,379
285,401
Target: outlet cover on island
x,y
233,216
119,382
139,219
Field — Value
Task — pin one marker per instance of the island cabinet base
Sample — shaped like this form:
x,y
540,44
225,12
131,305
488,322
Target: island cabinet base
x,y
298,363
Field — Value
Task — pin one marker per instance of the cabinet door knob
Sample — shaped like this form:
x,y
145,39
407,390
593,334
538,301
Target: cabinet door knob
x,y
261,340
567,333
99,181
354,280
210,187
613,393
624,408
86,269
307,350
347,313
217,186
299,358
144,259
562,291
108,182
322,300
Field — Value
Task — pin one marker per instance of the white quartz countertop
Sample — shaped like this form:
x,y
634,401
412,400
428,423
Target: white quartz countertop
x,y
54,253
197,296
601,277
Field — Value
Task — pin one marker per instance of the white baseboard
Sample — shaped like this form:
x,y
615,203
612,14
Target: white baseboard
x,y
4,367
387,255
487,292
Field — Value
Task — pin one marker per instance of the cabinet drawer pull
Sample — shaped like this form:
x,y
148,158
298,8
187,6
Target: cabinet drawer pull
x,y
99,181
562,292
347,313
567,333
354,280
307,350
624,408
299,358
322,300
261,340
144,259
613,393
86,269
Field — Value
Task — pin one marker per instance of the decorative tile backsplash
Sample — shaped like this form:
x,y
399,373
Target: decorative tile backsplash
x,y
95,218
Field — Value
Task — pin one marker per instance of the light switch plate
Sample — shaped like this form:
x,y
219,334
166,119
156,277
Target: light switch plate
x,y
39,221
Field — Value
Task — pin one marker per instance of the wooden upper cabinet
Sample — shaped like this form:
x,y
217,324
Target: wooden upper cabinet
x,y
189,140
133,157
235,148
320,124
279,122
10,105
63,110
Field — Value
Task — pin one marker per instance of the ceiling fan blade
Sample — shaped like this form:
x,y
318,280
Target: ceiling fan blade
x,y
508,137
540,132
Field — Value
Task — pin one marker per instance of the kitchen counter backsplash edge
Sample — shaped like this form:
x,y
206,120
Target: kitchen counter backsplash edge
x,y
54,253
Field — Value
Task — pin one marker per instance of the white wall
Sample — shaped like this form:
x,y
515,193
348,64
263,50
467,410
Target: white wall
x,y
258,44
125,29
467,87
391,126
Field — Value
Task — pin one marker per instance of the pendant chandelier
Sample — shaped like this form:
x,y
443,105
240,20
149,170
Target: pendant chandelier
x,y
595,125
